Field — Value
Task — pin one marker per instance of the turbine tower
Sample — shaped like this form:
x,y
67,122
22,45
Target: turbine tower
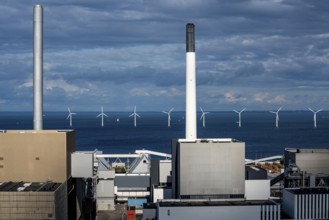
x,y
203,117
314,117
134,114
70,116
168,113
102,114
239,112
277,116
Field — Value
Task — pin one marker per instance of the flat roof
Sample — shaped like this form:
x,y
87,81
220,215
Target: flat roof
x,y
132,182
209,140
308,150
28,187
182,203
34,131
300,191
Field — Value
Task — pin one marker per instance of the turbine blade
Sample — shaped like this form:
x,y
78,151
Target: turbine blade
x,y
236,111
311,109
137,115
99,115
202,109
319,110
131,114
272,112
105,115
243,110
68,116
171,110
279,109
68,108
165,112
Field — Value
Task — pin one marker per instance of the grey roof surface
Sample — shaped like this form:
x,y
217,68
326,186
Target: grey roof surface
x,y
28,187
309,190
165,203
132,181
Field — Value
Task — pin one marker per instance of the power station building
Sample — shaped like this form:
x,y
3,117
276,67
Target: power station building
x,y
306,181
206,178
208,175
35,174
208,168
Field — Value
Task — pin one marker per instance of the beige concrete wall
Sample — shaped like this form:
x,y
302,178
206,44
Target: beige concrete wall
x,y
34,205
36,156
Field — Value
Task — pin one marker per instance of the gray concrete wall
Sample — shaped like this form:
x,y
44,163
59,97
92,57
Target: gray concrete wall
x,y
288,203
309,160
313,162
211,168
306,206
212,212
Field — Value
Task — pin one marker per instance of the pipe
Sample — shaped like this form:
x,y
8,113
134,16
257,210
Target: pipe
x,y
38,67
190,129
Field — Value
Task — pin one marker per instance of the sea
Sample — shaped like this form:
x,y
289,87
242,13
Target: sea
x,y
119,136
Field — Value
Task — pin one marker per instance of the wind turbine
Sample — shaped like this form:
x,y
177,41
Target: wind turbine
x,y
168,113
102,114
277,116
203,116
314,117
239,112
134,114
70,116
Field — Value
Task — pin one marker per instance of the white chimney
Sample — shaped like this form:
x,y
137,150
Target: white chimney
x,y
190,130
37,64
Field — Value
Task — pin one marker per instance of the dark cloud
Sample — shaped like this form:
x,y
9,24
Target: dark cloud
x,y
249,52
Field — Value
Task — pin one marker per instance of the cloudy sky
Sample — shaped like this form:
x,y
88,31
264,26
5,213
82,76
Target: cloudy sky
x,y
258,54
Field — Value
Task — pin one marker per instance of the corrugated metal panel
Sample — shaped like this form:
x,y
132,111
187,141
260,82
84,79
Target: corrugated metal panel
x,y
312,204
232,212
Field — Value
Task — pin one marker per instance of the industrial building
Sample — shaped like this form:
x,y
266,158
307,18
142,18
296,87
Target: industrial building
x,y
107,188
41,156
313,160
224,210
20,200
306,203
208,175
35,174
306,168
41,177
306,183
208,168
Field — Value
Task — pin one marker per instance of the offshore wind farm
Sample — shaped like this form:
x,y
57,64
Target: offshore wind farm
x,y
219,169
152,132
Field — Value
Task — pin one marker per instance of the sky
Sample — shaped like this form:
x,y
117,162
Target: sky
x,y
254,54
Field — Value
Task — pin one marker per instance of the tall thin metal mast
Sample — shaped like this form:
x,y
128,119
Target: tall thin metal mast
x,y
38,67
